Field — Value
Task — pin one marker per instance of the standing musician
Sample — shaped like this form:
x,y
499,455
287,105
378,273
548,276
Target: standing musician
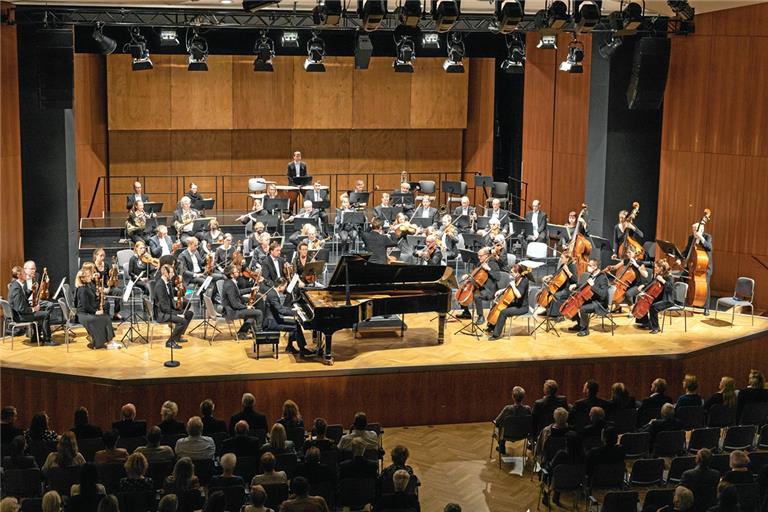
x,y
622,230
90,313
346,232
431,254
599,301
570,228
195,197
496,212
234,308
519,306
280,317
489,289
222,258
184,220
449,237
296,168
104,270
703,240
425,211
211,237
384,211
137,223
539,220
161,244
164,301
567,265
257,214
136,196
23,312
376,242
469,214
272,266
142,261
665,299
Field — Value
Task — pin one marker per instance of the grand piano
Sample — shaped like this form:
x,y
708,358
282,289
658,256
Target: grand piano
x,y
360,290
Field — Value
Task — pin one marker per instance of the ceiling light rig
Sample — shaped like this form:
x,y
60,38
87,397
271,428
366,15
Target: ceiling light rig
x,y
315,54
453,63
509,14
406,53
137,47
372,13
515,61
628,19
106,44
573,62
445,13
587,14
409,13
265,51
197,50
549,21
327,13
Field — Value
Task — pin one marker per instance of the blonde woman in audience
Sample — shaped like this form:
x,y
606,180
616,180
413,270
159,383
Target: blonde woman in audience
x,y
740,472
291,415
269,476
170,426
258,499
726,394
278,441
9,504
66,454
135,469
183,477
51,502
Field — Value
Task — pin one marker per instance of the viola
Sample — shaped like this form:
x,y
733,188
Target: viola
x,y
209,263
237,256
180,291
646,299
471,285
697,263
114,272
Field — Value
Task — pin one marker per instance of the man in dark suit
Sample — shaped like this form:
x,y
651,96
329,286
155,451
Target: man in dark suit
x,y
611,452
384,211
241,444
657,398
129,426
273,264
599,300
401,499
161,244
23,312
296,168
666,422
539,220
377,242
252,317
703,241
496,212
254,419
581,408
702,481
425,211
545,406
136,196
280,317
597,423
211,425
467,214
8,429
358,466
165,307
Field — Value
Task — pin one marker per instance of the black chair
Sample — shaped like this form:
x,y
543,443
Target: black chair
x,y
40,450
32,505
621,501
158,471
678,466
276,495
205,469
749,497
62,479
657,498
762,441
624,420
721,462
691,416
330,458
286,462
247,467
137,501
234,496
297,435
23,482
721,415
754,414
131,443
190,500
89,447
644,416
605,477
636,444
514,428
218,440
757,461
591,442
171,440
565,478
110,475
355,493
669,443
707,437
647,472
551,447
500,191
326,490
334,432
739,437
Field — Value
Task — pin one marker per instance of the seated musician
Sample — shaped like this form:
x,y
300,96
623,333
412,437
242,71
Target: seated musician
x,y
136,196
490,234
261,250
136,225
234,308
212,237
468,215
161,244
273,265
313,241
499,252
431,253
300,259
519,306
271,191
425,211
257,214
539,220
448,235
642,274
195,197
30,278
308,211
489,288
621,231
192,266
252,239
384,211
599,301
142,264
704,241
166,308
345,231
184,219
570,228
496,212
90,314
376,242
401,227
222,258
665,299
23,312
406,198
279,317
114,292
568,266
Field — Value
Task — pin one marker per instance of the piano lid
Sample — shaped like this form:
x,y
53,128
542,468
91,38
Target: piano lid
x,y
362,272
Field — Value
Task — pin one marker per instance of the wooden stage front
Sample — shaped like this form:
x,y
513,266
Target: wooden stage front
x,y
408,381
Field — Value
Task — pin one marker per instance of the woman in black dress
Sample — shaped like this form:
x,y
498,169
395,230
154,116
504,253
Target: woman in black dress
x,y
89,312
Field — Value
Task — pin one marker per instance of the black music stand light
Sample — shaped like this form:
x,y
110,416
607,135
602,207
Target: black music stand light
x,y
422,222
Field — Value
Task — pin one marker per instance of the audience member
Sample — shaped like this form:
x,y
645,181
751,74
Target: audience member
x,y
620,397
110,453
702,481
278,441
258,499
17,458
399,456
400,499
557,429
726,394
227,478
610,453
153,450
242,444
544,407
66,454
573,453
51,502
211,425
597,423
129,426
666,422
8,428
657,397
369,438
515,409
196,446
753,393
86,495
108,504
216,502
9,504
168,503
82,428
169,425
135,471
255,419
319,440
691,396
313,470
38,430
291,415
740,472
727,499
358,466
183,477
681,501
300,501
269,475
579,413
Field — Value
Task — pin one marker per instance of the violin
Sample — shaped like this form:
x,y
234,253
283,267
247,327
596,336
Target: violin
x,y
99,291
697,263
237,256
209,263
147,259
628,240
180,291
114,272
42,292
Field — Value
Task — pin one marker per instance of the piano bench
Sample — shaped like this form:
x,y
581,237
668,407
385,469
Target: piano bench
x,y
267,338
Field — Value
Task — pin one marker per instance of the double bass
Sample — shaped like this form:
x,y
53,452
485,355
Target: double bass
x,y
572,305
628,240
506,298
579,248
697,263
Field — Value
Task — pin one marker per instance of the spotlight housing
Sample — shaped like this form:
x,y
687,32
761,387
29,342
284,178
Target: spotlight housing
x,y
290,39
315,54
409,13
406,52
327,12
254,5
573,62
629,19
587,15
509,14
682,9
453,63
106,44
547,42
430,40
515,61
609,46
372,13
197,50
557,15
445,13
169,37
264,50
137,47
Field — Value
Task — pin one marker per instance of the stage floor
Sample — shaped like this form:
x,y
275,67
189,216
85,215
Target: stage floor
x,y
416,351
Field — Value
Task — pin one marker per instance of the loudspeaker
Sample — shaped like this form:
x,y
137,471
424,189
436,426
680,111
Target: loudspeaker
x,y
55,61
649,74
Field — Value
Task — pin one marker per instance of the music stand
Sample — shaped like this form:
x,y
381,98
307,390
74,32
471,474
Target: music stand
x,y
470,328
196,294
269,221
402,199
472,242
301,181
600,244
461,221
314,268
323,204
482,222
206,204
132,316
451,187
359,198
200,225
355,218
422,222
558,231
484,182
273,204
153,207
669,251
521,227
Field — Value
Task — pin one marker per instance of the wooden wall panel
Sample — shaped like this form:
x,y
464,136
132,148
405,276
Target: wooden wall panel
x,y
372,151
201,151
139,100
537,172
477,149
262,100
568,182
438,99
539,101
572,101
261,151
381,98
201,100
323,100
326,151
432,151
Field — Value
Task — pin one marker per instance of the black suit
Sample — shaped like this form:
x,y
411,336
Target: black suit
x,y
155,247
748,396
385,213
599,301
604,455
130,428
431,214
703,482
544,407
131,198
22,311
212,426
541,236
376,243
503,217
268,270
279,317
581,408
398,501
234,308
358,467
255,420
165,310
187,268
291,172
463,224
242,446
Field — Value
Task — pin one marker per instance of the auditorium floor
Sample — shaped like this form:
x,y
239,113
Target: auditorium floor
x,y
418,350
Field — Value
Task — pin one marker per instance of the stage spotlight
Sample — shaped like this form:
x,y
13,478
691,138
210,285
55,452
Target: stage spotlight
x,y
290,39
509,14
587,16
372,13
327,12
454,64
445,13
682,9
406,52
140,60
430,40
315,54
556,15
547,42
627,20
609,46
264,50
254,5
573,63
197,48
514,63
409,13
169,37
106,44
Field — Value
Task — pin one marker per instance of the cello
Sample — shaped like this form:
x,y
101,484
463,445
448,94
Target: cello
x,y
553,284
580,248
697,263
506,298
471,285
572,305
646,299
628,240
625,276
